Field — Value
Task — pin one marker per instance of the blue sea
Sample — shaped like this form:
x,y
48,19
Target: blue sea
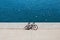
x,y
29,10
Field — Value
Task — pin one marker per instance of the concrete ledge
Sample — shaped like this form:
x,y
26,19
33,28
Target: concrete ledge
x,y
22,25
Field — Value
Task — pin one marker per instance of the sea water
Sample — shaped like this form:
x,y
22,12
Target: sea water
x,y
29,10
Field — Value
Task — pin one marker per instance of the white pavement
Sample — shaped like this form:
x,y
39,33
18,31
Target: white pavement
x,y
20,34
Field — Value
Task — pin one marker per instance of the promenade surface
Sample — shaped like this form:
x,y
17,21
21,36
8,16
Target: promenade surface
x,y
21,34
